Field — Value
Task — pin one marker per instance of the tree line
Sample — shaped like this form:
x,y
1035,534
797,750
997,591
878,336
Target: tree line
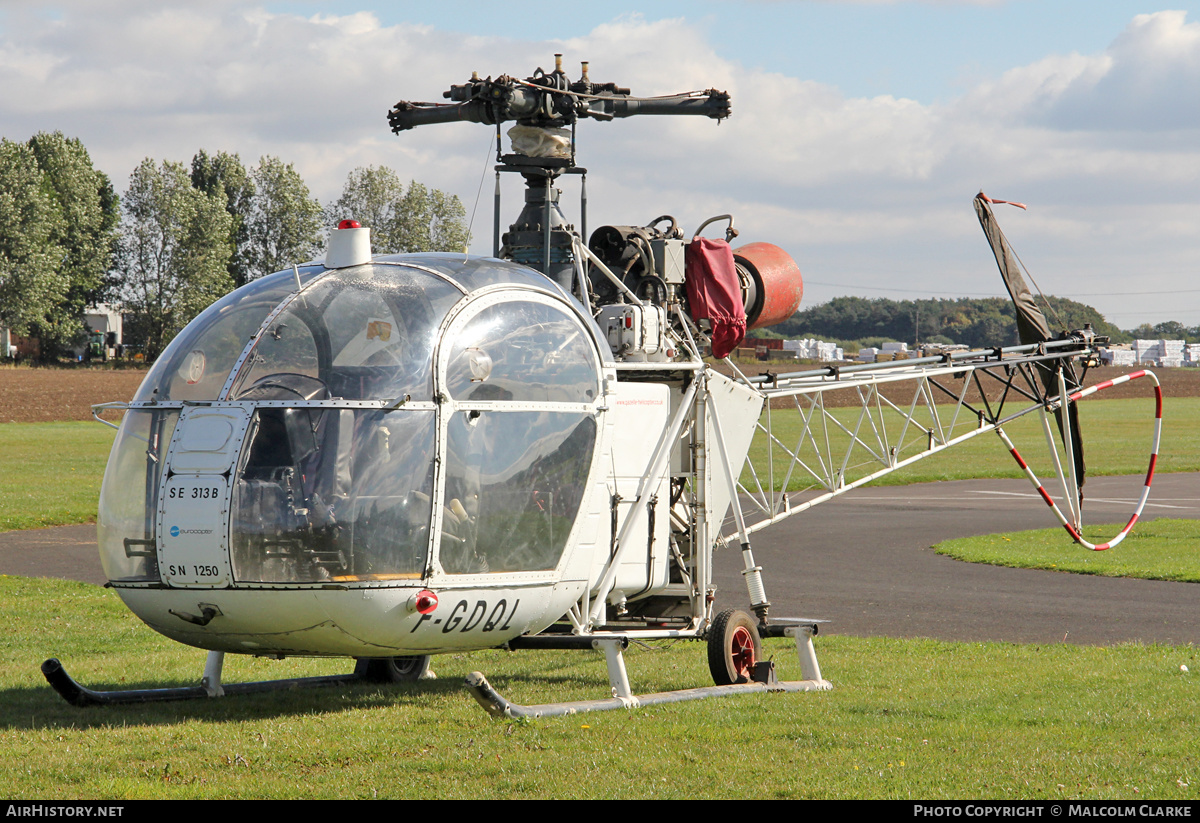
x,y
178,238
973,322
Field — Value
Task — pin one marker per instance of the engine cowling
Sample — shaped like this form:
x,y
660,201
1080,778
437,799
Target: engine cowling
x,y
772,286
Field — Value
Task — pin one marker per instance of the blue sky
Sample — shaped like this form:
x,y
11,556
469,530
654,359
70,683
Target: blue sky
x,y
860,132
926,51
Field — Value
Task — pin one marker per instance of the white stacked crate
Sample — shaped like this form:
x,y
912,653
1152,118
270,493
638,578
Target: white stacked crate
x,y
1146,351
1170,353
1121,357
813,349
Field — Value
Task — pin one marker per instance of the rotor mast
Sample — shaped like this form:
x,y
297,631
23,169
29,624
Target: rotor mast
x,y
545,108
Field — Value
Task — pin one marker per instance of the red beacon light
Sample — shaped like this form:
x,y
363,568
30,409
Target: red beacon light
x,y
349,245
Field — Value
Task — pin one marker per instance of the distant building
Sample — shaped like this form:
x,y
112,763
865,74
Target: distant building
x,y
105,334
16,347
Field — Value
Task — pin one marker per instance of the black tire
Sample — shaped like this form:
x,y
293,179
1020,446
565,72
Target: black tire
x,y
392,669
734,646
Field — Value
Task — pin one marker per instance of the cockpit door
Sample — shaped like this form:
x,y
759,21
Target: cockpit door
x,y
193,514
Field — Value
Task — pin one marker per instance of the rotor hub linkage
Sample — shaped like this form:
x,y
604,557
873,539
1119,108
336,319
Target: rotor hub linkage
x,y
549,100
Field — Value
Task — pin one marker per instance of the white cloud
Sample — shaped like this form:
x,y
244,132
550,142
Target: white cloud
x,y
870,189
1147,80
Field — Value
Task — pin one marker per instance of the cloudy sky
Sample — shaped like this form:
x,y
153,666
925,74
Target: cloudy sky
x,y
861,130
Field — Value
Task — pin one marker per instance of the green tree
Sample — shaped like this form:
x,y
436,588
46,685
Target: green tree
x,y
975,322
32,283
284,220
173,253
433,220
87,234
416,220
371,196
224,174
1170,330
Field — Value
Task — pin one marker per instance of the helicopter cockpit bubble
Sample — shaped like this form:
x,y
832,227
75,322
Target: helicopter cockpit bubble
x,y
196,363
415,420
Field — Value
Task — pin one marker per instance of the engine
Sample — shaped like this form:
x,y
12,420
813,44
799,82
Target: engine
x,y
650,288
650,263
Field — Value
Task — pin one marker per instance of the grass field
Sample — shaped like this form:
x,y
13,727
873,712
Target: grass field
x,y
1117,437
1161,549
906,719
50,473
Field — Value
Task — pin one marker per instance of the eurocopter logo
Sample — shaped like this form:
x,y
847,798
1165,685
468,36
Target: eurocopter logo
x,y
176,531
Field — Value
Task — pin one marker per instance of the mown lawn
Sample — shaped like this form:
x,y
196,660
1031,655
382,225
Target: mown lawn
x,y
1117,438
906,719
50,473
1162,549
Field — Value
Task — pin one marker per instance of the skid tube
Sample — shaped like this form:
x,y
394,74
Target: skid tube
x,y
495,705
77,695
623,698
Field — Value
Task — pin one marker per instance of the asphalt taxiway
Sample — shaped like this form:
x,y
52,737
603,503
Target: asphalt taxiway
x,y
864,562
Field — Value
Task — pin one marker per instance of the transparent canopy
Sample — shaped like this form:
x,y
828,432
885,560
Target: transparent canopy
x,y
197,362
475,463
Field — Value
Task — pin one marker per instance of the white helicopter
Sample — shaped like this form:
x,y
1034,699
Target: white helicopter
x,y
387,458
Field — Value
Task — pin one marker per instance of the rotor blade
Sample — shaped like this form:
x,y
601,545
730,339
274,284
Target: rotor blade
x,y
1076,435
1031,323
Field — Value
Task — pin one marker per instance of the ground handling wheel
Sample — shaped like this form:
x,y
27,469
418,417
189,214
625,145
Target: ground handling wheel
x,y
734,646
392,669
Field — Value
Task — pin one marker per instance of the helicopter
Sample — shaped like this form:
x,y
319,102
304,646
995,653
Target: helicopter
x,y
390,457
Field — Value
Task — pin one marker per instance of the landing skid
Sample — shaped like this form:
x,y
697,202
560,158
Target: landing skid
x,y
497,706
210,686
763,680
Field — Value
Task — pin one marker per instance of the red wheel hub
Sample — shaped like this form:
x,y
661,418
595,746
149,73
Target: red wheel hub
x,y
742,651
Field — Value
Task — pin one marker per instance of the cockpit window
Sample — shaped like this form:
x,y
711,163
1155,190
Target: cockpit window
x,y
129,497
490,479
514,484
515,473
333,495
522,351
365,334
479,272
196,364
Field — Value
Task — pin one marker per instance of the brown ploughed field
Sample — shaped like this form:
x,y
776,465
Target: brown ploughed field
x,y
42,395
1176,382
39,395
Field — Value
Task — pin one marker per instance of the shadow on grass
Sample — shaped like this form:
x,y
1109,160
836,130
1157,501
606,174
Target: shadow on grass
x,y
40,707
